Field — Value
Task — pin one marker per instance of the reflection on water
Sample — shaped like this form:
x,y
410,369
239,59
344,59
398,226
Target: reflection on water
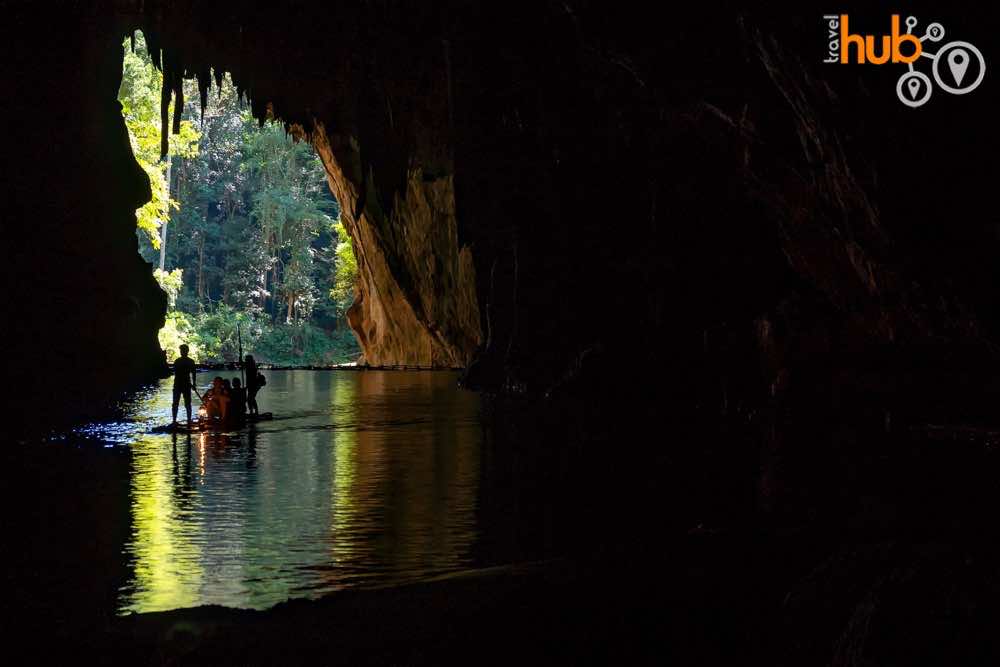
x,y
363,478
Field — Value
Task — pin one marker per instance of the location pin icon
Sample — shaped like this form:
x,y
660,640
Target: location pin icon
x,y
914,87
958,63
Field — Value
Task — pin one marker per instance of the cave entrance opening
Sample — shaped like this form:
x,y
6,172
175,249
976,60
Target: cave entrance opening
x,y
241,231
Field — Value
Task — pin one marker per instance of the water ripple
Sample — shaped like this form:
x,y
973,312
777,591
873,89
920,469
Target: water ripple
x,y
361,479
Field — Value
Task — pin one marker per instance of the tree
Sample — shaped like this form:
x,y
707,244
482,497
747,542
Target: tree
x,y
289,206
346,273
171,283
253,236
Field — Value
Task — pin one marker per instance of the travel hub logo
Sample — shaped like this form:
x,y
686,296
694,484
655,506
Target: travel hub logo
x,y
957,67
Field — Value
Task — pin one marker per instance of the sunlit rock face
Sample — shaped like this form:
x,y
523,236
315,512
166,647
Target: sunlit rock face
x,y
415,303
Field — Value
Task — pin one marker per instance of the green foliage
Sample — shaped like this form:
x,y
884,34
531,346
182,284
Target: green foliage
x,y
170,282
346,272
176,331
302,343
213,338
254,236
289,205
217,333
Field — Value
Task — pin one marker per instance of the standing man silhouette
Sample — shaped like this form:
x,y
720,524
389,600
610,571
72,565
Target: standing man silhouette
x,y
184,379
253,384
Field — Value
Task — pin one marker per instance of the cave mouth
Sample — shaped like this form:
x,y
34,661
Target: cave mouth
x,y
383,279
241,231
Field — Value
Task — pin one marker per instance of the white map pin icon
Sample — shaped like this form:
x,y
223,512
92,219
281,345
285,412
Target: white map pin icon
x,y
958,63
914,89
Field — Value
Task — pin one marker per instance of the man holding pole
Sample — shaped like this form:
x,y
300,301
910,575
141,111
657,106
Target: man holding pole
x,y
184,380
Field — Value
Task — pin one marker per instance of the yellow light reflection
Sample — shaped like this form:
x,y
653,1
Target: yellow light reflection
x,y
159,539
434,465
343,504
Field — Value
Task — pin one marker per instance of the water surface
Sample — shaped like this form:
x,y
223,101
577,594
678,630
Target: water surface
x,y
362,479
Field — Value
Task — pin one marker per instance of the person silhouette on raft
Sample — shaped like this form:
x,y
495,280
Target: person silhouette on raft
x,y
184,378
238,401
254,383
216,400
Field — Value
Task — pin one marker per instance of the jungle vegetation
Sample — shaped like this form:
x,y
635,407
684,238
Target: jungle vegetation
x,y
241,231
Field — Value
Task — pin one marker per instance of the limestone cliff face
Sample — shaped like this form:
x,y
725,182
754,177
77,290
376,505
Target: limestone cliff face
x,y
415,302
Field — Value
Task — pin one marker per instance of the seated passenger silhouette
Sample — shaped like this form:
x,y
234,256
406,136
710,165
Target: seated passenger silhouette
x,y
217,400
238,400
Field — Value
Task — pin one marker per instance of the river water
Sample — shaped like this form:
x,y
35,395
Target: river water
x,y
362,479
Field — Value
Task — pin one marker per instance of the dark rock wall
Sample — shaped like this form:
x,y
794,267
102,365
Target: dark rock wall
x,y
718,209
548,192
81,308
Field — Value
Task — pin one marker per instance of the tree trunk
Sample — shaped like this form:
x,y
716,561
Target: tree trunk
x,y
163,223
291,308
263,292
201,267
163,244
275,286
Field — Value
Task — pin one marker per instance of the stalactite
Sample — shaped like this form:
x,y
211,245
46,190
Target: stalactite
x,y
259,110
219,74
153,46
204,81
178,98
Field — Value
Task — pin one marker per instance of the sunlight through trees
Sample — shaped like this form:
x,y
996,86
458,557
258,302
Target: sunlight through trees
x,y
255,237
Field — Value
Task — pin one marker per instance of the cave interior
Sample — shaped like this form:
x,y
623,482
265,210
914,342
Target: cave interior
x,y
687,239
